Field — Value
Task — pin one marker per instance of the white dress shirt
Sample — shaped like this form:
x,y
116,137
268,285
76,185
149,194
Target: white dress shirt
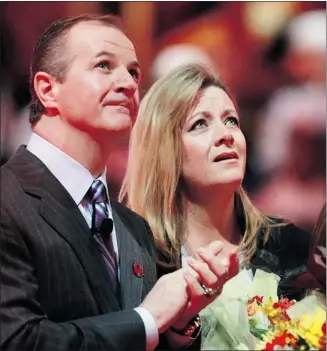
x,y
77,180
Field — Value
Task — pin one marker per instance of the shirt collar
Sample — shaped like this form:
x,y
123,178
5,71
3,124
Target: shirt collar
x,y
74,177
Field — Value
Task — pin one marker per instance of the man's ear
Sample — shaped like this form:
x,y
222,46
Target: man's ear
x,y
46,89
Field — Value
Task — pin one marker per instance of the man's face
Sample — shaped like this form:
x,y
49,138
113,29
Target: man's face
x,y
100,90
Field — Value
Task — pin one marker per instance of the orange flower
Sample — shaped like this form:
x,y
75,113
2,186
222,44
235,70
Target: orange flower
x,y
252,308
253,304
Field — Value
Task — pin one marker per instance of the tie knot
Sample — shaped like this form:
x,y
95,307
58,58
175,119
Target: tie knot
x,y
97,192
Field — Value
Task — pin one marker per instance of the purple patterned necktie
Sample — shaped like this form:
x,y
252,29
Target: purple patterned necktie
x,y
98,197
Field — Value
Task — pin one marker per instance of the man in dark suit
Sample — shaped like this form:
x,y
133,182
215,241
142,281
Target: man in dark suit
x,y
76,266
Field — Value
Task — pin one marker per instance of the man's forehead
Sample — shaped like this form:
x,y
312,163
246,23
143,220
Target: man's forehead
x,y
121,45
95,34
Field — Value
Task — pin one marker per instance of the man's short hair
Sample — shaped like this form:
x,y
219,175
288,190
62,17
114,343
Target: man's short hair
x,y
48,55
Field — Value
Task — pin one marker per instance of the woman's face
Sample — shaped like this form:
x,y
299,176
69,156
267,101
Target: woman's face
x,y
213,143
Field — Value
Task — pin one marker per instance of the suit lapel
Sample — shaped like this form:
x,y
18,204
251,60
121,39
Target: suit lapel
x,y
129,254
60,211
70,224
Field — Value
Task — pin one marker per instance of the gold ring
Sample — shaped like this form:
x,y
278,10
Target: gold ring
x,y
210,292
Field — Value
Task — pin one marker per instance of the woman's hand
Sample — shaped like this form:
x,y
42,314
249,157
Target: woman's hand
x,y
205,278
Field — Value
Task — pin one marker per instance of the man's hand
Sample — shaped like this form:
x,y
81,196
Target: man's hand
x,y
212,268
167,299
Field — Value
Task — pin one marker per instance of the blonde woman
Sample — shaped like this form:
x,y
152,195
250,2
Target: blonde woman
x,y
184,176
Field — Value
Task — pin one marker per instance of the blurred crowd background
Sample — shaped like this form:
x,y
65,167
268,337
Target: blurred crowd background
x,y
272,55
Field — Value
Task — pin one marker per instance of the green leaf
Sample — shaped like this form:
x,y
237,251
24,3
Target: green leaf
x,y
258,333
253,323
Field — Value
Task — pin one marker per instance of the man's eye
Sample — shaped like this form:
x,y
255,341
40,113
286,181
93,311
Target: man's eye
x,y
104,65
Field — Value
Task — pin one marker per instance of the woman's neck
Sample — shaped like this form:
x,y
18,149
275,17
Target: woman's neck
x,y
210,220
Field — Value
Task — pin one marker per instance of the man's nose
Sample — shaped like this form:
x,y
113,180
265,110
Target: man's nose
x,y
125,83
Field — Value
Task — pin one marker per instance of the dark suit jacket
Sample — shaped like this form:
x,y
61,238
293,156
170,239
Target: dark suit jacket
x,y
55,291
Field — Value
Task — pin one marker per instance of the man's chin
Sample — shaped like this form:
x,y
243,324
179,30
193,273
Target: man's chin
x,y
119,123
117,132
121,131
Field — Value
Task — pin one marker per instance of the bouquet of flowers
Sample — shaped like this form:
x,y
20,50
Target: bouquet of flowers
x,y
290,325
248,315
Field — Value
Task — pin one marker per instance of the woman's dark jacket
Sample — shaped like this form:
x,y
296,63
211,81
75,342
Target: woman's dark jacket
x,y
285,253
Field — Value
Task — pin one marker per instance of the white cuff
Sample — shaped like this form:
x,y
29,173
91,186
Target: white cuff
x,y
151,330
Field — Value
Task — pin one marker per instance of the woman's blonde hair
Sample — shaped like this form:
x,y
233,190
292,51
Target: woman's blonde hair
x,y
152,186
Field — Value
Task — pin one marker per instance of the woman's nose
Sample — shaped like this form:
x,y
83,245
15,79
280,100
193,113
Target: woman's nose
x,y
223,136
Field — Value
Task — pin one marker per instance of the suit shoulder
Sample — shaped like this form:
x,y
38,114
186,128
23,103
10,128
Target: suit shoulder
x,y
135,223
289,240
8,180
125,211
290,233
284,235
5,170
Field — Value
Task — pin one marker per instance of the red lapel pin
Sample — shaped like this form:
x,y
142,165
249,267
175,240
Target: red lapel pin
x,y
138,270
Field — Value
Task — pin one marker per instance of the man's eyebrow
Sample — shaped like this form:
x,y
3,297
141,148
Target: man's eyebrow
x,y
110,54
105,53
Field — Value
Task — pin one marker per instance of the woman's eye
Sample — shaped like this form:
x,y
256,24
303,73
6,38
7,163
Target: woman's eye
x,y
135,74
199,124
232,121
